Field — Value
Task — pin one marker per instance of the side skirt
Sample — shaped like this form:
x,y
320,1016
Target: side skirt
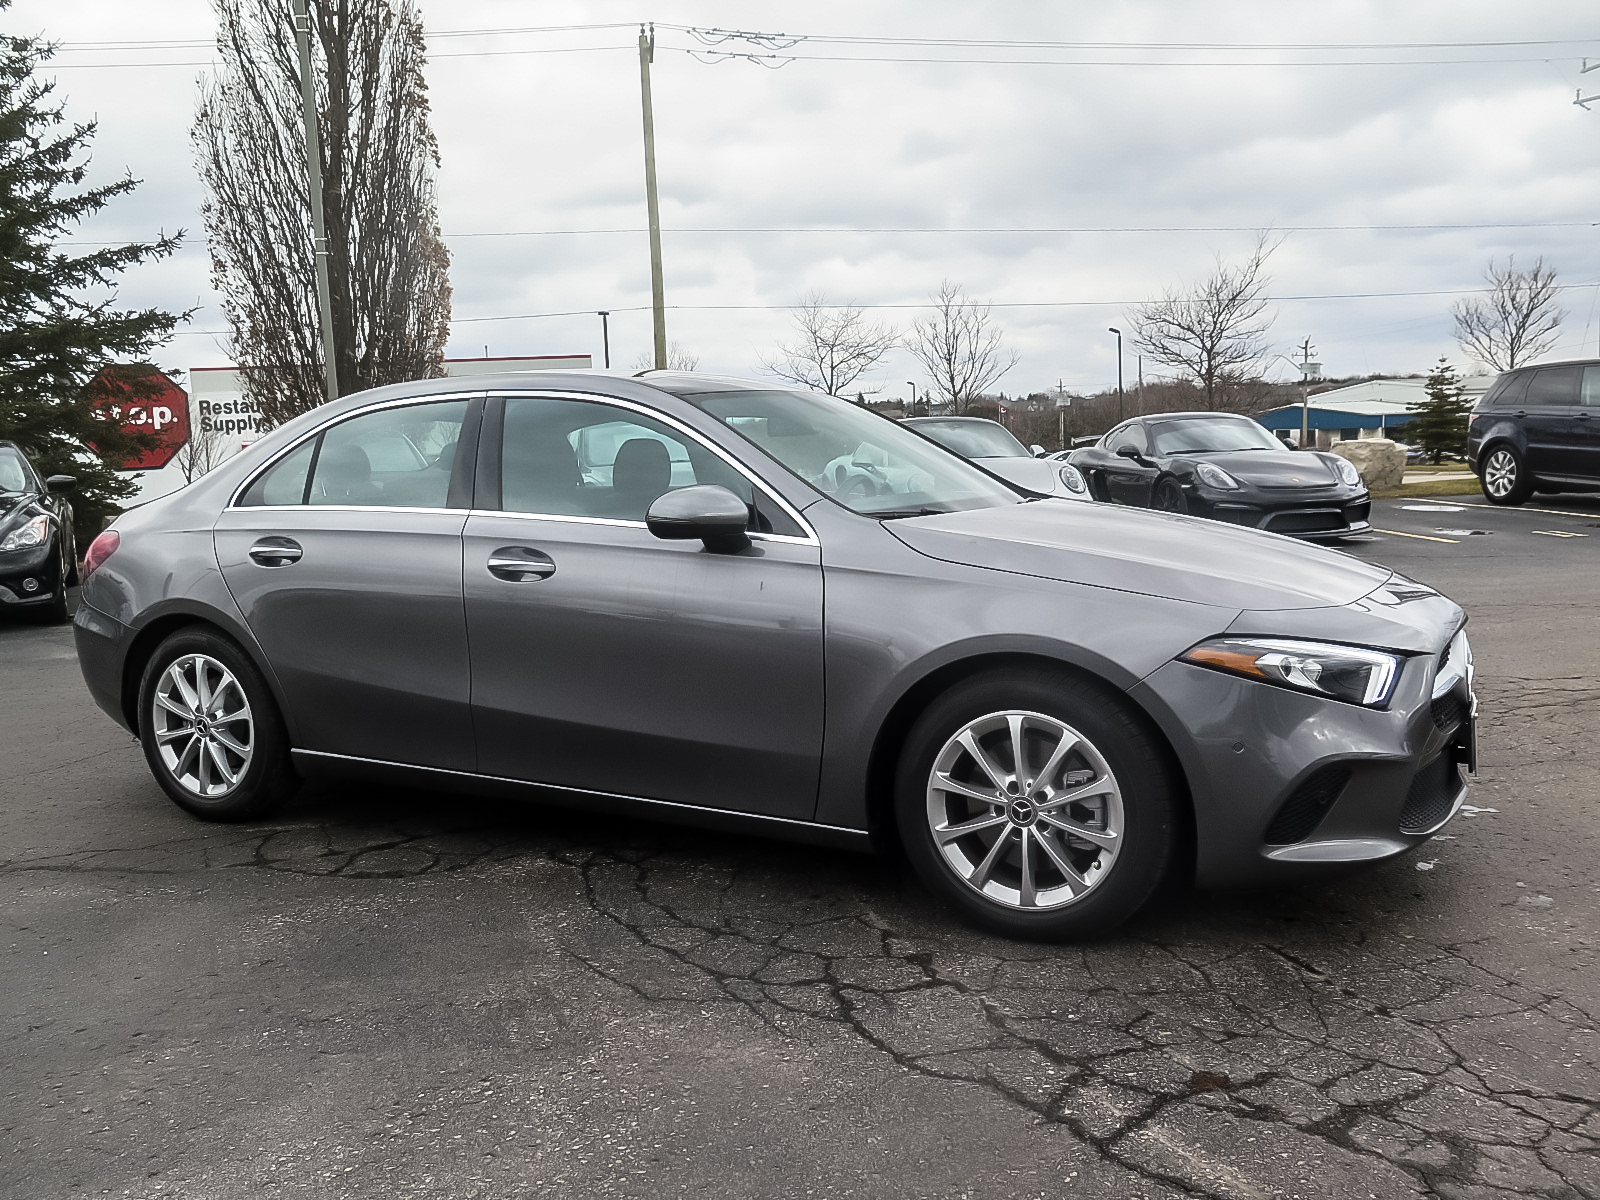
x,y
319,764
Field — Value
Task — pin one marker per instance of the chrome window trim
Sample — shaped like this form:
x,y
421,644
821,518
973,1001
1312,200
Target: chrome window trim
x,y
615,522
673,422
385,508
405,402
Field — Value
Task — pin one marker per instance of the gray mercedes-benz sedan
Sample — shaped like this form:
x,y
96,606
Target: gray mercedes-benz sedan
x,y
648,596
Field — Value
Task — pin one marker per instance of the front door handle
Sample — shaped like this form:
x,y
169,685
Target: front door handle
x,y
519,564
275,551
1520,413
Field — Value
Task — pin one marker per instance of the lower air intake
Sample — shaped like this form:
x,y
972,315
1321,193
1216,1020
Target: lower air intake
x,y
1307,805
1431,796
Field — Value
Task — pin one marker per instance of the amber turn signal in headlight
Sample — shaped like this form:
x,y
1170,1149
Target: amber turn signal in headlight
x,y
1349,673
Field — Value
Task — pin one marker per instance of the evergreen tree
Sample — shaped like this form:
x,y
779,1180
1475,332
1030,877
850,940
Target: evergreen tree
x,y
1440,424
57,326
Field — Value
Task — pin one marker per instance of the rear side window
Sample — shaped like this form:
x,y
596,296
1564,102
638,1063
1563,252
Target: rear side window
x,y
1554,385
393,458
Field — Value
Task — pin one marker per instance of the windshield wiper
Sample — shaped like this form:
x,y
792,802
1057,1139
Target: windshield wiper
x,y
891,514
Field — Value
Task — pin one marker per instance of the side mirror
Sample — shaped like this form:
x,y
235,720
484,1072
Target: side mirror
x,y
1038,450
1129,452
706,511
57,482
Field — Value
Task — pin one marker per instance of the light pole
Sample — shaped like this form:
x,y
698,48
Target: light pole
x,y
912,385
1118,332
605,334
319,230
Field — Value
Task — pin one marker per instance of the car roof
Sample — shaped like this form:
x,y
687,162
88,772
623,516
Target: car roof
x,y
950,421
1188,416
696,383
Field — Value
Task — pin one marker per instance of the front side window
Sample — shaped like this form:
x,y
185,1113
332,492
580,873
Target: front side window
x,y
1129,435
863,461
392,458
580,458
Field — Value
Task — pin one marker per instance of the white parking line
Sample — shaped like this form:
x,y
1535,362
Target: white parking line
x,y
1506,508
1420,536
1557,533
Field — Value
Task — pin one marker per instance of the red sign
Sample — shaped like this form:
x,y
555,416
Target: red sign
x,y
160,407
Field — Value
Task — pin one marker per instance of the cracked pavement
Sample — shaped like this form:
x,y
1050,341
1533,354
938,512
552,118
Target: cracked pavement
x,y
398,994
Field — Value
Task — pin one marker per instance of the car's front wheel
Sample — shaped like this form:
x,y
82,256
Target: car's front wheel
x,y
210,730
1504,477
1168,497
1035,802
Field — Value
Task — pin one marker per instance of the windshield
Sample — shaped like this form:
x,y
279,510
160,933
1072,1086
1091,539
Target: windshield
x,y
13,475
973,438
864,461
1211,435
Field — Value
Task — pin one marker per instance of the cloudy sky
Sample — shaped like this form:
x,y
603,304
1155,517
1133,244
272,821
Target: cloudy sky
x,y
1058,160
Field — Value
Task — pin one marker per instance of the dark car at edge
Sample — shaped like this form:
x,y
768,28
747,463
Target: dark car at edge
x,y
1537,429
38,545
1226,468
653,597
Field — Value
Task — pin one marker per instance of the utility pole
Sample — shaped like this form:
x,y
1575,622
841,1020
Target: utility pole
x,y
912,384
605,335
658,291
1306,365
1120,407
319,227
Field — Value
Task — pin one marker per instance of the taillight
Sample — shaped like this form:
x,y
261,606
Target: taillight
x,y
102,548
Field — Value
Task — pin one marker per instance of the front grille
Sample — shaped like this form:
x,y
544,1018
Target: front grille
x,y
1449,711
1307,805
1431,795
1306,522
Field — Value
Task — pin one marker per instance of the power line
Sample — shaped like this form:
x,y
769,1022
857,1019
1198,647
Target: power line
x,y
1004,229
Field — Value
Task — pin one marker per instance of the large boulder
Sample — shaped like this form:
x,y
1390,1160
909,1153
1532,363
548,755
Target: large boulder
x,y
1382,463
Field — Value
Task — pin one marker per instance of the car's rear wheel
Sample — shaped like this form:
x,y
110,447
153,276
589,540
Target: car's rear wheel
x,y
211,733
1035,802
1505,478
1168,497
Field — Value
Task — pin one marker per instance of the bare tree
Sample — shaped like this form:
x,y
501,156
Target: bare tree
x,y
678,359
387,262
835,345
959,347
1516,322
206,448
1213,334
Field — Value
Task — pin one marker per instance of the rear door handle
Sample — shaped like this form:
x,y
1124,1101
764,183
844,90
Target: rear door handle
x,y
519,564
275,551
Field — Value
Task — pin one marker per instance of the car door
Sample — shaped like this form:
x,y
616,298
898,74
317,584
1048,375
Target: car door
x,y
345,558
1128,480
1552,423
606,659
1588,425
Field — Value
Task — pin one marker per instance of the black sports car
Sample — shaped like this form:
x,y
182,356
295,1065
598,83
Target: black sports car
x,y
1227,468
38,548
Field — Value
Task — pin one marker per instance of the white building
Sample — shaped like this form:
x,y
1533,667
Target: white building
x,y
1372,409
218,410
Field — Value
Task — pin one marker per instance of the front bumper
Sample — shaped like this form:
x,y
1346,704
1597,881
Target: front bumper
x,y
1310,518
1288,786
20,567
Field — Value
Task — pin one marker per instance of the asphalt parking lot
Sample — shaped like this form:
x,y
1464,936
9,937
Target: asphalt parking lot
x,y
402,994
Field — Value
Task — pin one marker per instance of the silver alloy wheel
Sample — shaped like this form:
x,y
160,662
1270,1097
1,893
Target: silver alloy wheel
x,y
1500,473
1025,810
202,725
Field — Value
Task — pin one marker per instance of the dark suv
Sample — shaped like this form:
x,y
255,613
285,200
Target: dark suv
x,y
1537,429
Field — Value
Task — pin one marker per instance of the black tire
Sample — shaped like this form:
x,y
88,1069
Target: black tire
x,y
267,777
74,574
1168,496
1504,476
54,611
1128,755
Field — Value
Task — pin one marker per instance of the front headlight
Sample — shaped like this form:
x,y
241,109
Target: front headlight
x,y
35,533
1346,470
1347,673
1072,479
1214,476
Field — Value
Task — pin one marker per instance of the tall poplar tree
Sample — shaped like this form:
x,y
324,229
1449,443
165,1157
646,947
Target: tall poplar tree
x,y
388,266
59,324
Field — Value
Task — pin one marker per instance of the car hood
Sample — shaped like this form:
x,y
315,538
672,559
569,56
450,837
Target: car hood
x,y
1035,474
1272,468
1154,554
